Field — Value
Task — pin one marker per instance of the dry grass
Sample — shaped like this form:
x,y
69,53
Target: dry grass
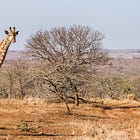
x,y
120,121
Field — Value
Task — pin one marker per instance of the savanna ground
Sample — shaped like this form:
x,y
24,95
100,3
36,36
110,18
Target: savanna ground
x,y
38,120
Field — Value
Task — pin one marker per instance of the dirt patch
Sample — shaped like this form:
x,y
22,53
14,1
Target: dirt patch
x,y
38,120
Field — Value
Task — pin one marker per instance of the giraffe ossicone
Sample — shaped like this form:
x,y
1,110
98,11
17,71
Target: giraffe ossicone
x,y
5,43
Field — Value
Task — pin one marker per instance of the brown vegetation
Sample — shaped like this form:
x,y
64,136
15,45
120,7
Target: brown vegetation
x,y
69,65
39,120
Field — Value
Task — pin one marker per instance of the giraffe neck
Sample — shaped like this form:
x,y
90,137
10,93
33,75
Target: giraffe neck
x,y
4,45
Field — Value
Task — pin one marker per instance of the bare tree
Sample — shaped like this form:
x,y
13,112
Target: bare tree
x,y
70,54
22,79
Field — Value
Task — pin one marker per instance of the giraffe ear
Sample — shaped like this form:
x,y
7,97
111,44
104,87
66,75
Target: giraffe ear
x,y
17,32
6,32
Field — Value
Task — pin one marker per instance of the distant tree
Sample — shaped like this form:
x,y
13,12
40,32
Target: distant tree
x,y
22,79
136,87
70,54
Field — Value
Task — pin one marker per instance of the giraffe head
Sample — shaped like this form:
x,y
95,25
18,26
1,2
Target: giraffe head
x,y
12,33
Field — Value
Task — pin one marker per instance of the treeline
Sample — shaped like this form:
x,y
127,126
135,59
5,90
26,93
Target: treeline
x,y
23,79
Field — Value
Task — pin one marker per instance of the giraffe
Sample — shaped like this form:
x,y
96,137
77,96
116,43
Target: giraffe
x,y
5,43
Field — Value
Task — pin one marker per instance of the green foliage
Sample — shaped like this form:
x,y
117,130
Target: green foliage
x,y
24,127
102,102
121,86
115,86
136,87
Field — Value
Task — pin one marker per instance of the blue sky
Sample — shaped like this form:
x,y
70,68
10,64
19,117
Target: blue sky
x,y
119,20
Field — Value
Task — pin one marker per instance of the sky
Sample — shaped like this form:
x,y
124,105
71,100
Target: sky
x,y
118,20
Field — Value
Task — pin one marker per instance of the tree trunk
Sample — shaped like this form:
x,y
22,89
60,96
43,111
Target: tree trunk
x,y
76,99
67,107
